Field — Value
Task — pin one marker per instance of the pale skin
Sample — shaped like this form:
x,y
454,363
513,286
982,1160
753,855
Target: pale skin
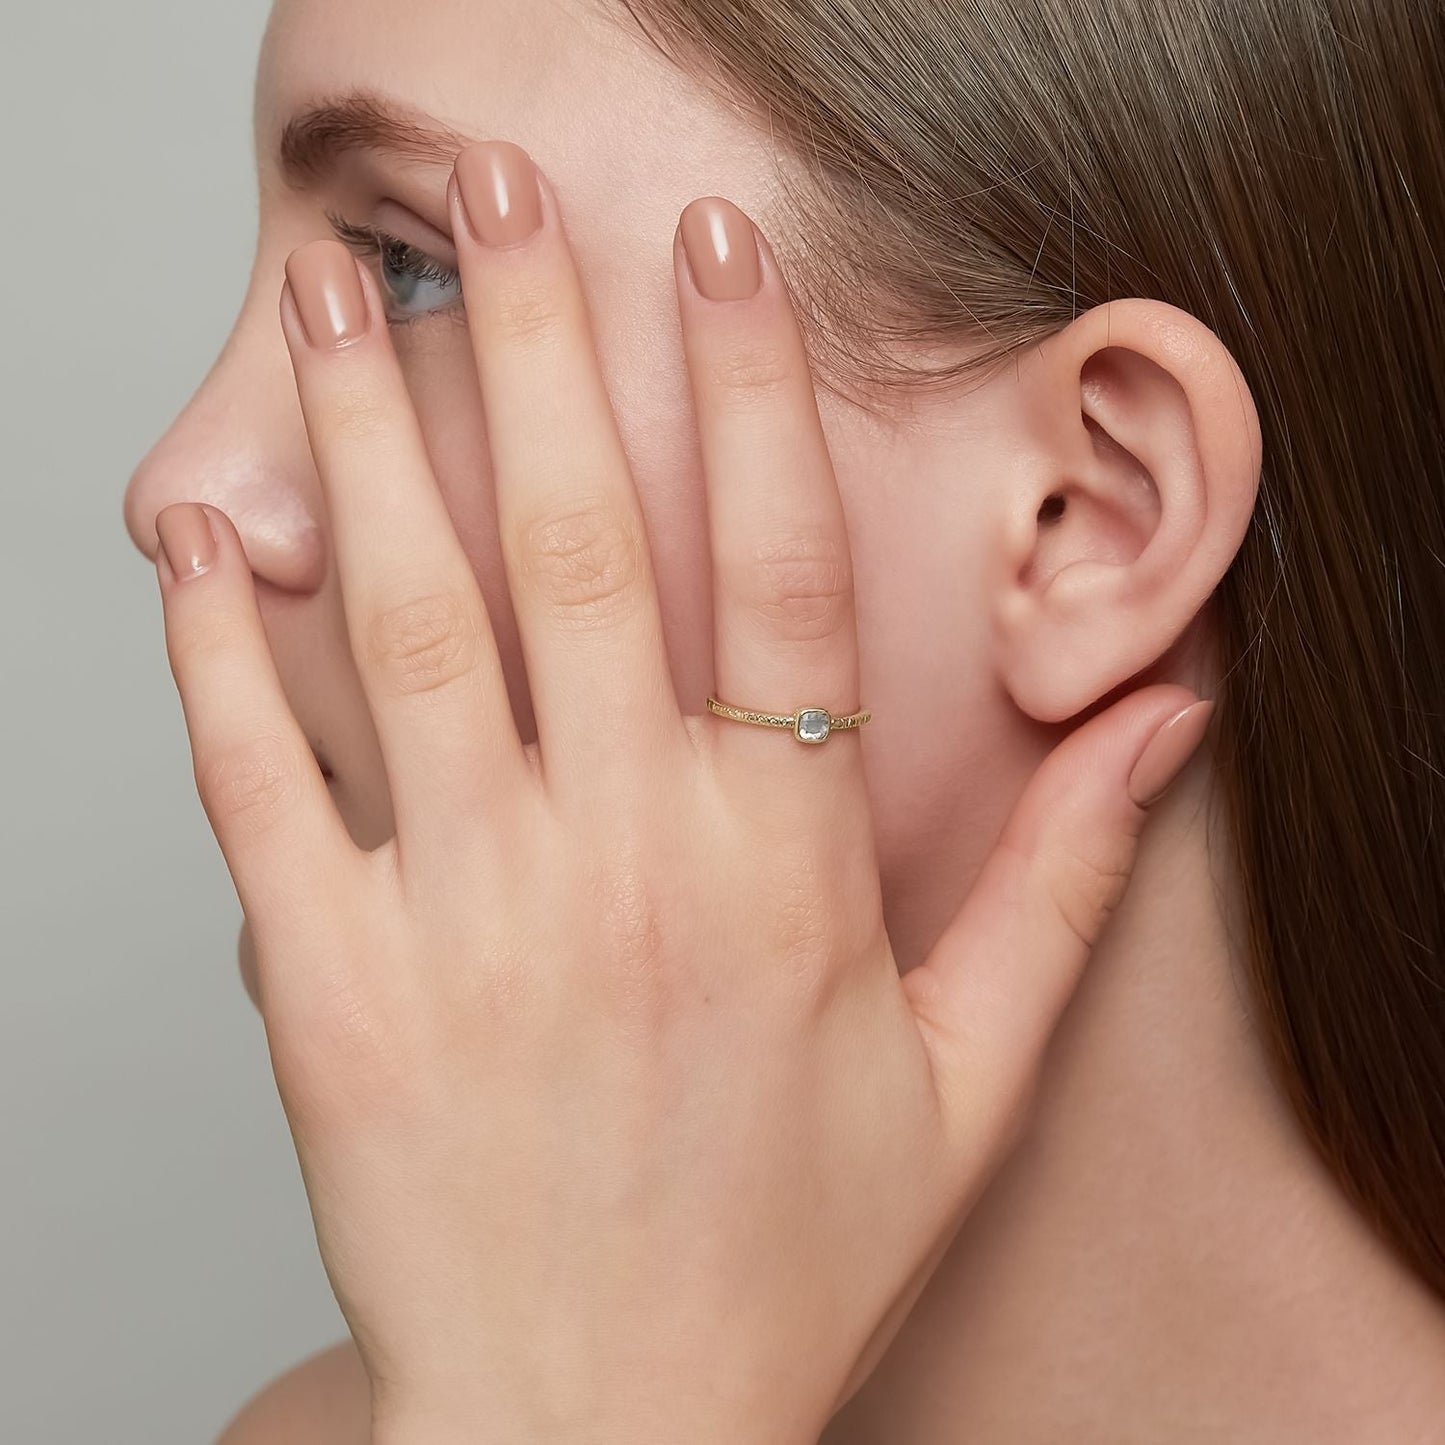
x,y
1224,1287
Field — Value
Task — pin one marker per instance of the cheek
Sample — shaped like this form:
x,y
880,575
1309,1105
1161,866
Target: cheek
x,y
442,380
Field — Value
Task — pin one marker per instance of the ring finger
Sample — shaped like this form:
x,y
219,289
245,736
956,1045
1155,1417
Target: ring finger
x,y
785,636
574,540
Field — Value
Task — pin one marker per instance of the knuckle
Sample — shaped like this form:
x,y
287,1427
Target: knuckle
x,y
249,787
750,372
357,414
800,585
585,562
1086,887
526,314
422,644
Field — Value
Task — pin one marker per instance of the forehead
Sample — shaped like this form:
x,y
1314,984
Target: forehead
x,y
480,60
617,127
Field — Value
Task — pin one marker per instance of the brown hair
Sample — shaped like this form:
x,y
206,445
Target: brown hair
x,y
984,170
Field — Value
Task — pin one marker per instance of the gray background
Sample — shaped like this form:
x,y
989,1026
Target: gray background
x,y
156,1256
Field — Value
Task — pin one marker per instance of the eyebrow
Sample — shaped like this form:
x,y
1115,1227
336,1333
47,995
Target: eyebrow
x,y
313,140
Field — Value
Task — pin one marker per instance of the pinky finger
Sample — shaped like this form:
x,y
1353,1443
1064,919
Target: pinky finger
x,y
284,843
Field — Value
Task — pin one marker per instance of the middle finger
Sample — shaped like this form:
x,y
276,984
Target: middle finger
x,y
574,540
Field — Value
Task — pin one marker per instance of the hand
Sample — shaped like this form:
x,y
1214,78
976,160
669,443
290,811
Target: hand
x,y
616,1119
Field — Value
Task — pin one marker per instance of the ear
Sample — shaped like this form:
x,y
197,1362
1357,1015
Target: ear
x,y
1134,489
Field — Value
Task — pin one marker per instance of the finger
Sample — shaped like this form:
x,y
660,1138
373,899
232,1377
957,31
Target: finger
x,y
283,840
573,534
419,628
992,990
784,635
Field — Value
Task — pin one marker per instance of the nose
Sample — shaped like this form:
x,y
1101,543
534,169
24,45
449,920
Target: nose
x,y
240,444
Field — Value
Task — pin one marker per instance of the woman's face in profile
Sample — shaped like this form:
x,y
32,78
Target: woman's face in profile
x,y
627,140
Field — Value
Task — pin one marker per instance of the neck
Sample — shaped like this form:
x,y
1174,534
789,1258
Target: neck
x,y
1164,1257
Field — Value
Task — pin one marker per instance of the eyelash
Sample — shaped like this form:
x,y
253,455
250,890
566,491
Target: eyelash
x,y
373,243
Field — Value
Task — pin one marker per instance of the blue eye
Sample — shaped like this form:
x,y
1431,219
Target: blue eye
x,y
415,285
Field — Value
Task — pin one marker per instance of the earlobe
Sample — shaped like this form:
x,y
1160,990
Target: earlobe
x,y
1145,466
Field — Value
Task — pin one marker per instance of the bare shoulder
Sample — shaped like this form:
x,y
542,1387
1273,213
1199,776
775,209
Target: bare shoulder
x,y
325,1400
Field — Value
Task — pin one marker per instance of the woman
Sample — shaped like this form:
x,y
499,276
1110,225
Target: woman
x,y
1224,1218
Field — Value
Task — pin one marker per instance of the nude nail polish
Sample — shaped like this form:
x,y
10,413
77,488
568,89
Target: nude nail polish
x,y
327,291
184,532
722,249
500,196
1167,752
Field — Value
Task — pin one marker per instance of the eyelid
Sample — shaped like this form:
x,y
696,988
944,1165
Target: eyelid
x,y
416,230
370,240
369,235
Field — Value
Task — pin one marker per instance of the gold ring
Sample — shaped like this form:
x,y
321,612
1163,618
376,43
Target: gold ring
x,y
808,724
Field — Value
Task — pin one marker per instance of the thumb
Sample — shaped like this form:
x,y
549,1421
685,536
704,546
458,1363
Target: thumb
x,y
991,992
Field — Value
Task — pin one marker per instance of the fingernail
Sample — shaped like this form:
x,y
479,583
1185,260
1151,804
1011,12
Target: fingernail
x,y
722,250
327,291
1166,753
500,195
186,538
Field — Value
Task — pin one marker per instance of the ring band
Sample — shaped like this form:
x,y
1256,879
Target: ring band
x,y
807,724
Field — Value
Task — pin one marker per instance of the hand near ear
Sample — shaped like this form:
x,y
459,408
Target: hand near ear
x,y
616,1119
